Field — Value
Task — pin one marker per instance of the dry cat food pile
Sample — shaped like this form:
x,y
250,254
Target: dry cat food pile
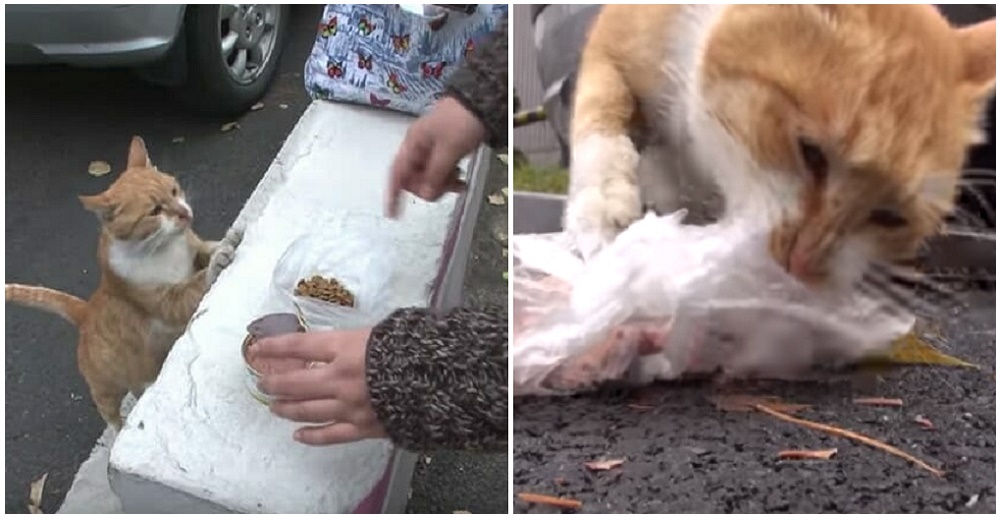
x,y
325,289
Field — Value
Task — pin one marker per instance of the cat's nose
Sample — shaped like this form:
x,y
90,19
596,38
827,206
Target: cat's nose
x,y
183,213
802,265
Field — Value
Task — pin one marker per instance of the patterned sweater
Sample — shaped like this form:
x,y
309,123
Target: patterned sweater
x,y
440,381
481,86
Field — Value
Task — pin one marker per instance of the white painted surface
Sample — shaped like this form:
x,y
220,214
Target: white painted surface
x,y
198,430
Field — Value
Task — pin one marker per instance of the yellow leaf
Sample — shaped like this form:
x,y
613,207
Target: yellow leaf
x,y
505,275
503,158
99,168
35,495
911,350
230,126
505,191
496,199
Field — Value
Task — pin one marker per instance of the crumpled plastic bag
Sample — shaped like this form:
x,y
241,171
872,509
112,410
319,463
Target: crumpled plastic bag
x,y
347,251
667,300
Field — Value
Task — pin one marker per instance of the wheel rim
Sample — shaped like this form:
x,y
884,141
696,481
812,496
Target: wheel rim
x,y
247,37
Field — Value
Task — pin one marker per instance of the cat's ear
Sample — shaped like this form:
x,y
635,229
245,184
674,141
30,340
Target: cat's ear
x,y
138,157
99,205
979,44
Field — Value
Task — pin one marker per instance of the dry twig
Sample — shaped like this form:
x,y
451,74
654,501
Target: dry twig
x,y
879,401
807,454
548,500
847,434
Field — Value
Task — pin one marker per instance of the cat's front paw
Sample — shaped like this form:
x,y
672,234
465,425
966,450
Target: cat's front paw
x,y
596,215
223,255
606,197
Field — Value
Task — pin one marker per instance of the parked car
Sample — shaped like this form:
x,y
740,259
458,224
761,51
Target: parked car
x,y
220,59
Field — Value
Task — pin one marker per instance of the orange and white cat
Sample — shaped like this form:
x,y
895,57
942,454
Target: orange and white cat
x,y
154,272
841,129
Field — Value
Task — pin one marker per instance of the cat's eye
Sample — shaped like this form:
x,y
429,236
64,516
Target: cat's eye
x,y
814,158
157,209
887,218
174,191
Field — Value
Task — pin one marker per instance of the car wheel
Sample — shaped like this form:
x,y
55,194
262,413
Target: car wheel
x,y
232,55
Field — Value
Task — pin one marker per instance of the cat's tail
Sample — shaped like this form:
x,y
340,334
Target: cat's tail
x,y
68,306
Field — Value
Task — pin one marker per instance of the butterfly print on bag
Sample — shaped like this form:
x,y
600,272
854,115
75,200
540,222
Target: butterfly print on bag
x,y
394,84
401,42
365,27
335,69
431,69
328,29
365,62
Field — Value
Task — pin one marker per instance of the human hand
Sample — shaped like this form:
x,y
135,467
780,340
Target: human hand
x,y
425,164
332,393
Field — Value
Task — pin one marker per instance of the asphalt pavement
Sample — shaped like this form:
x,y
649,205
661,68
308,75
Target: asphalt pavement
x,y
683,455
58,121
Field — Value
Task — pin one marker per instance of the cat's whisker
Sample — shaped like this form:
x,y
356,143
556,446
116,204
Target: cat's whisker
x,y
979,177
969,217
907,289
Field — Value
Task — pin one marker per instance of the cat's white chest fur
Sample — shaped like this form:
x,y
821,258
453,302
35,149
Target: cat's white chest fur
x,y
172,263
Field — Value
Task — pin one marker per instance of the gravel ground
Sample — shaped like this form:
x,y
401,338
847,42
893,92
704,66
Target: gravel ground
x,y
684,455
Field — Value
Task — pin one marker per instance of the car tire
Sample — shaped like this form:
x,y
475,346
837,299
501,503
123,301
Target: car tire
x,y
221,37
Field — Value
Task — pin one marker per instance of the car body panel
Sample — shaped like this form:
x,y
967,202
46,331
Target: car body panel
x,y
90,35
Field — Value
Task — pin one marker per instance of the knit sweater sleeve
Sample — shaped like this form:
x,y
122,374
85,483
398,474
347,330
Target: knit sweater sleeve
x,y
480,85
439,381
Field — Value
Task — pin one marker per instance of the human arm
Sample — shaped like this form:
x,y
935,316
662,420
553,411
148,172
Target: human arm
x,y
439,381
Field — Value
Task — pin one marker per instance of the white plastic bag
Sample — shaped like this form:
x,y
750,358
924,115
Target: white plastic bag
x,y
667,300
350,253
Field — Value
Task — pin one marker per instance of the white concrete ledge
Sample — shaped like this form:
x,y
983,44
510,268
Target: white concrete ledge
x,y
197,441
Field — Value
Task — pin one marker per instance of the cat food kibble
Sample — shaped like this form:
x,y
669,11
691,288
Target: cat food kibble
x,y
325,289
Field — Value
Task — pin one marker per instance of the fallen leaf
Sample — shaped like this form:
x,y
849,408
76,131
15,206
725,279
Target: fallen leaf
x,y
502,236
505,275
230,126
257,106
282,106
562,503
604,465
503,158
504,252
505,191
879,401
99,168
746,403
496,199
924,422
177,140
807,454
35,494
911,350
847,434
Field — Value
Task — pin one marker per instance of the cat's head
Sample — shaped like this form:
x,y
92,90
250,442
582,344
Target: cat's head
x,y
853,121
143,203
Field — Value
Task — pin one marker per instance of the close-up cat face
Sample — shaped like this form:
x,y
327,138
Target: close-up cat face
x,y
143,203
857,118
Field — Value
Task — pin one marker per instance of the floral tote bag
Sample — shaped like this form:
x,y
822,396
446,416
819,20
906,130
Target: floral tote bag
x,y
393,57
